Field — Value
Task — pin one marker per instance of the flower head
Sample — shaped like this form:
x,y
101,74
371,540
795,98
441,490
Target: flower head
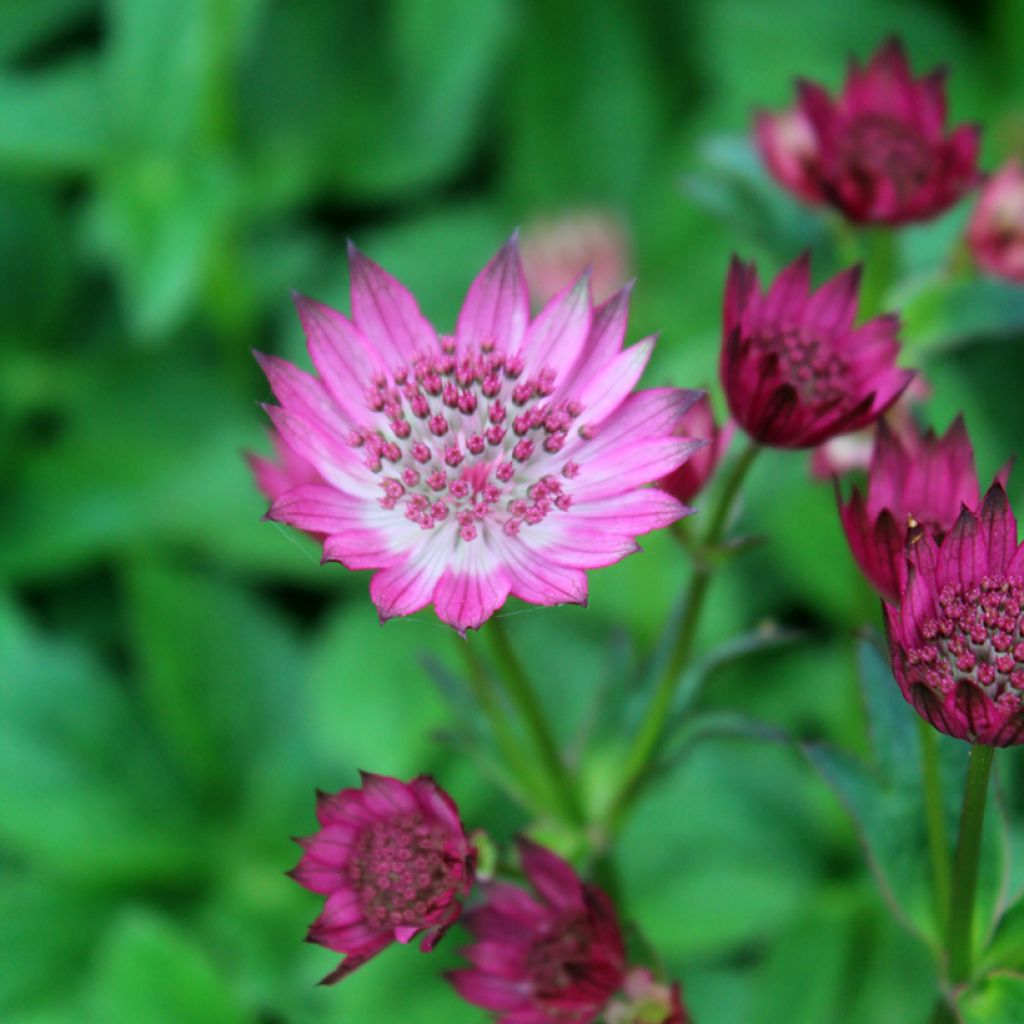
x,y
505,459
957,636
645,1000
556,956
918,477
995,232
698,422
879,152
795,370
392,859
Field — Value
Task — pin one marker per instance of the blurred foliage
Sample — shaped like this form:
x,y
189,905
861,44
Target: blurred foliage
x,y
176,676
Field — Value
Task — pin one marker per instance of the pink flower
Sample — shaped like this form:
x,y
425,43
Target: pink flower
x,y
506,459
879,152
921,477
556,956
392,859
789,148
995,233
795,370
698,422
955,637
556,251
644,1000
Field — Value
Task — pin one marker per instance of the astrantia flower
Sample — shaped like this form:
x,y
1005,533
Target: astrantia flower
x,y
921,477
505,459
644,1000
995,233
795,370
392,859
275,477
957,636
557,956
879,152
698,422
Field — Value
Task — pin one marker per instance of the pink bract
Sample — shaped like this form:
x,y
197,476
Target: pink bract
x,y
995,232
392,858
879,152
645,1000
917,476
795,370
556,956
956,636
698,422
505,459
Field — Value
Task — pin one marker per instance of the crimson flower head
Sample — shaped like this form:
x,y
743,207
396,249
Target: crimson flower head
x,y
957,635
505,459
879,152
795,369
698,422
392,858
556,956
995,233
919,477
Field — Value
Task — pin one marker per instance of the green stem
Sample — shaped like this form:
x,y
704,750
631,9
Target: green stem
x,y
880,270
522,694
965,869
650,734
935,818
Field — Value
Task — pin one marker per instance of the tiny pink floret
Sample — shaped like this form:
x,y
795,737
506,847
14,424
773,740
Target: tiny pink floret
x,y
995,232
504,459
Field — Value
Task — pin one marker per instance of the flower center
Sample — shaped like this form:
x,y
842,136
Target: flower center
x,y
401,872
977,637
875,146
557,960
811,365
467,438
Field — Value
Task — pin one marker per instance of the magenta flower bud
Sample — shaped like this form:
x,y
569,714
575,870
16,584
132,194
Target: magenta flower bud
x,y
955,635
796,372
556,955
995,233
879,152
919,477
392,858
698,422
521,400
645,1000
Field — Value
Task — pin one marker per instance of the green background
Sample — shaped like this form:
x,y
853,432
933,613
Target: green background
x,y
177,676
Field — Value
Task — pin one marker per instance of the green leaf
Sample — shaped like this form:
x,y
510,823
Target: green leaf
x,y
1007,946
998,999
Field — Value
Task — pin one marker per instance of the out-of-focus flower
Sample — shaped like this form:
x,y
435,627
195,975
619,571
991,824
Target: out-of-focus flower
x,y
796,372
557,250
995,232
506,459
392,859
956,635
645,1000
849,452
698,422
556,956
789,148
919,477
879,152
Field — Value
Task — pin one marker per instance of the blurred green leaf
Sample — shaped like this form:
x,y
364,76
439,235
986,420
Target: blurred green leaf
x,y
1007,947
23,26
999,999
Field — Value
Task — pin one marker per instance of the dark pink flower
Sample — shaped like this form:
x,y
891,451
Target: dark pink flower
x,y
789,148
506,459
645,1000
917,476
556,956
995,232
795,370
879,152
698,422
956,636
392,859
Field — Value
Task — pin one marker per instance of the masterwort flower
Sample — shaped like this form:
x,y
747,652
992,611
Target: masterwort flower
x,y
957,636
645,1000
505,459
795,370
392,858
914,477
995,233
879,152
698,422
556,956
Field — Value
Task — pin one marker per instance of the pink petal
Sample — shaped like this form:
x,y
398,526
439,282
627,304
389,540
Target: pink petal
x,y
556,337
497,305
608,388
623,468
